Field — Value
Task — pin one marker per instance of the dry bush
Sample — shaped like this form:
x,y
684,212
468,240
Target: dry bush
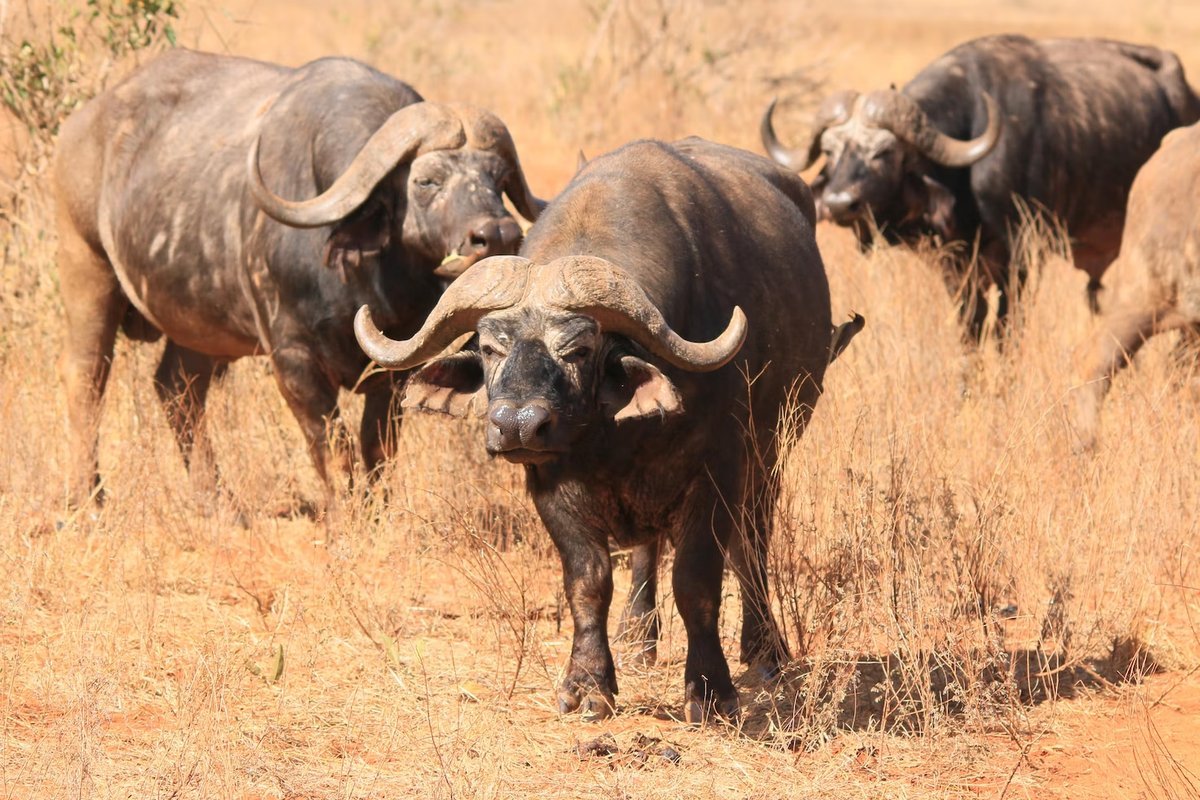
x,y
53,57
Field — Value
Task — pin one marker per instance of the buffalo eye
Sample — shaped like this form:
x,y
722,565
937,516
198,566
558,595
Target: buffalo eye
x,y
882,155
490,351
427,182
577,355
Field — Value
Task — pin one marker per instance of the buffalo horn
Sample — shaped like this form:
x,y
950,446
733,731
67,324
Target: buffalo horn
x,y
609,295
421,127
490,285
834,110
578,284
900,114
527,205
485,131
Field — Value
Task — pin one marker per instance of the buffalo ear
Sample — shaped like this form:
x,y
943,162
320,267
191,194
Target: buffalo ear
x,y
450,385
362,235
939,208
932,203
635,389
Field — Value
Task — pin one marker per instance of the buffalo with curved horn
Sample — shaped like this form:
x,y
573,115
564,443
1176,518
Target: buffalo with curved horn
x,y
668,312
173,221
996,129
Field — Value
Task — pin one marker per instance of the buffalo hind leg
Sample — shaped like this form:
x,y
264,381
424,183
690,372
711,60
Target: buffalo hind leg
x,y
762,644
639,622
94,305
380,424
182,382
313,401
1117,339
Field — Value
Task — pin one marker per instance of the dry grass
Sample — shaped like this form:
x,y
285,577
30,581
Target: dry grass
x,y
974,604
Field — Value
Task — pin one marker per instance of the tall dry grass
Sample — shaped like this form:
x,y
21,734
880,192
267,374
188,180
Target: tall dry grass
x,y
953,580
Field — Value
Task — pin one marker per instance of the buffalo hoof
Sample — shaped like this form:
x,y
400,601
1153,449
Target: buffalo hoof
x,y
593,706
699,708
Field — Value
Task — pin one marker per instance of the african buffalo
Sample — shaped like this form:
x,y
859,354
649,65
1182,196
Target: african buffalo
x,y
996,129
167,226
1155,280
624,309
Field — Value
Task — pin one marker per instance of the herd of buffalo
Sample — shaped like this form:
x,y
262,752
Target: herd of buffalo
x,y
638,348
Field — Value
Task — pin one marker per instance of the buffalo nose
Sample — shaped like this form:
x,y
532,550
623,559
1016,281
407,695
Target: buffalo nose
x,y
843,204
495,237
512,427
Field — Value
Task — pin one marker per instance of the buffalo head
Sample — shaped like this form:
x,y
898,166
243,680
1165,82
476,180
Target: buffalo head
x,y
877,147
431,179
560,349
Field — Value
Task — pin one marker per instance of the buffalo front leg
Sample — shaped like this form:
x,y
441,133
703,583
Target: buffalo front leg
x,y
312,397
182,382
590,683
94,305
696,580
990,267
639,622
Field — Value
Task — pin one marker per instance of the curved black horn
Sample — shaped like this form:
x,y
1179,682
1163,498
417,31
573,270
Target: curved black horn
x,y
608,294
492,284
834,110
409,131
901,115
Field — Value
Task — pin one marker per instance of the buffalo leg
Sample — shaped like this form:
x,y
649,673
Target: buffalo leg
x,y
182,381
696,580
1094,288
973,312
639,622
94,305
313,400
590,683
969,283
380,425
1116,341
991,266
762,644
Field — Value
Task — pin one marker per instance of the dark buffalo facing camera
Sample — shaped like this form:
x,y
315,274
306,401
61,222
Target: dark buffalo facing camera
x,y
172,221
995,130
637,358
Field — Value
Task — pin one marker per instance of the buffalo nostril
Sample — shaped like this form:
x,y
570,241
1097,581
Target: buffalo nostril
x,y
510,235
843,204
478,240
533,422
503,416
